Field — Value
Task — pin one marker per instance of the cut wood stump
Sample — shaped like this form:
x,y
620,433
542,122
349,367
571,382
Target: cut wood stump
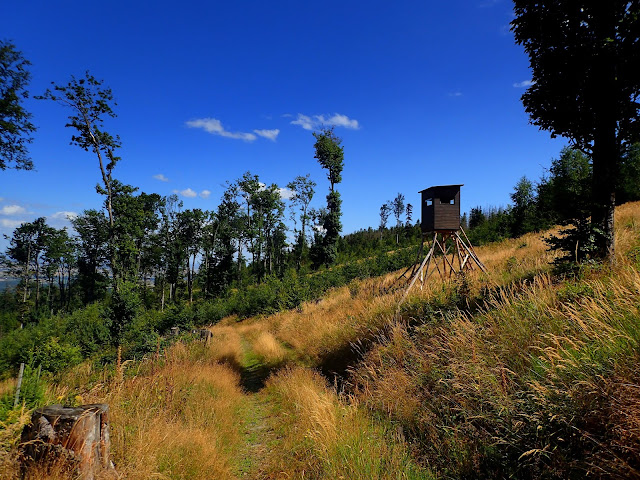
x,y
75,439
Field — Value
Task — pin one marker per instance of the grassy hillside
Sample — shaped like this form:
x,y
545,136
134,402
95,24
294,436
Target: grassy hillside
x,y
518,373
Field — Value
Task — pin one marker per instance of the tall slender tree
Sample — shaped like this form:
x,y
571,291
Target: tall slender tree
x,y
303,189
90,104
398,208
409,213
385,213
330,155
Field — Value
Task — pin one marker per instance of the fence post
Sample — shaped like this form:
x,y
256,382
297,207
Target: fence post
x,y
17,399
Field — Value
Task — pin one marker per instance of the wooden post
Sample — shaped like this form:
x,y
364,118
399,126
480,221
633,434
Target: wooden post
x,y
20,375
119,371
75,439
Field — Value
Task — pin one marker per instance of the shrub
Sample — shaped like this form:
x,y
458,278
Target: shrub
x,y
54,356
89,328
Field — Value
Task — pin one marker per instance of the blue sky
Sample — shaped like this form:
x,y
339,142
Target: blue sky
x,y
421,92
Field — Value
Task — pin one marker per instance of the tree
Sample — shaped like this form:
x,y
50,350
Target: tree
x,y
565,198
409,213
90,103
93,252
58,260
584,56
26,246
15,124
565,195
398,208
385,213
476,217
169,251
191,223
523,211
330,155
629,184
221,264
303,190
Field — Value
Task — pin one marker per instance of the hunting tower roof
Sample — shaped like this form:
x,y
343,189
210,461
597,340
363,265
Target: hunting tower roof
x,y
436,188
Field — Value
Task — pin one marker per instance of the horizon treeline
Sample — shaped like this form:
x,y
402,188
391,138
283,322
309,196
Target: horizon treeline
x,y
176,253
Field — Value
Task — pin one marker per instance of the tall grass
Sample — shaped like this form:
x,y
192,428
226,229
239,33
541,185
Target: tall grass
x,y
327,437
538,382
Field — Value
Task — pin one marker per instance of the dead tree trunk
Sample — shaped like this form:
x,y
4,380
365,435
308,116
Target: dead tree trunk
x,y
75,439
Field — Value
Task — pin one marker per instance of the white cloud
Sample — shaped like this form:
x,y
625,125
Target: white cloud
x,y
12,210
187,192
523,84
305,122
64,215
316,121
340,120
9,223
270,134
455,94
161,177
286,193
214,127
205,193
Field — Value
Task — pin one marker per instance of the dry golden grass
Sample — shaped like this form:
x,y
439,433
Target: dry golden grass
x,y
226,344
179,419
268,349
329,437
7,385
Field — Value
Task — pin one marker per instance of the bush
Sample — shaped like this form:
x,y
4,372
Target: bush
x,y
89,328
54,356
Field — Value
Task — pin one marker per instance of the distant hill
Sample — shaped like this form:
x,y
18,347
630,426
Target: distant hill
x,y
8,283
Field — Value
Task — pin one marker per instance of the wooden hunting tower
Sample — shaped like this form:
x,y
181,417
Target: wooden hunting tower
x,y
451,251
441,208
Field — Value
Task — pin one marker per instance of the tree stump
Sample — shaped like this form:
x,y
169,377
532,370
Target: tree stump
x,y
75,439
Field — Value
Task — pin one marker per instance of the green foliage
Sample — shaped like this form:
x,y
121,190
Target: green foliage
x,y
142,334
579,242
566,193
583,56
125,305
54,356
89,328
629,178
32,394
330,155
15,124
523,218
489,225
89,103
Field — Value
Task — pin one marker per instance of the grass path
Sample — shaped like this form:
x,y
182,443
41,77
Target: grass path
x,y
258,437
